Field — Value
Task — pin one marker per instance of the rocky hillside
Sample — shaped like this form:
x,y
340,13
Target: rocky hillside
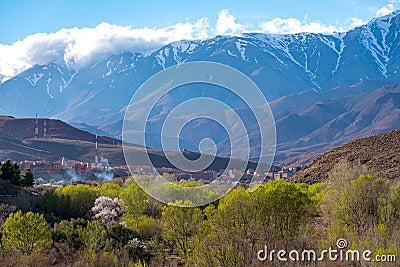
x,y
379,153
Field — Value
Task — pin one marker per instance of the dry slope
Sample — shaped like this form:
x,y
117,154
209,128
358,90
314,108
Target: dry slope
x,y
380,153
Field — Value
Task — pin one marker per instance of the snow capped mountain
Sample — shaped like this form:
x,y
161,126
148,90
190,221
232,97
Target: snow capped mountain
x,y
41,86
280,65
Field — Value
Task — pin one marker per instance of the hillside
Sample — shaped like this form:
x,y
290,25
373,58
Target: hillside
x,y
24,128
19,197
379,153
18,143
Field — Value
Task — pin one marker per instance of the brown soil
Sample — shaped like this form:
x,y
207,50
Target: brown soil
x,y
380,153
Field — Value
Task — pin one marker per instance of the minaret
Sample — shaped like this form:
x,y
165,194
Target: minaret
x,y
36,128
44,129
96,156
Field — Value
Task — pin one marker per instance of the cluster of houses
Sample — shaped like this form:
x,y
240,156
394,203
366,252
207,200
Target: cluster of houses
x,y
85,171
207,176
59,170
43,166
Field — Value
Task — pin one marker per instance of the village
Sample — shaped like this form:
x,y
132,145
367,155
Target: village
x,y
67,171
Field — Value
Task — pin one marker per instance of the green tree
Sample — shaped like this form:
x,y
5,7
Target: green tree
x,y
148,227
359,204
342,173
120,235
110,189
180,225
94,236
27,178
69,232
80,199
134,199
284,206
230,230
118,181
195,192
10,172
245,221
56,204
26,232
396,200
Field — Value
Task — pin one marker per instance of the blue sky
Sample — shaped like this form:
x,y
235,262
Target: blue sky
x,y
19,18
77,32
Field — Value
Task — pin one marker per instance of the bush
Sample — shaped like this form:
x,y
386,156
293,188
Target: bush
x,y
120,235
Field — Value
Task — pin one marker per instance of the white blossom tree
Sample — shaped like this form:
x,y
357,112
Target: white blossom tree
x,y
108,211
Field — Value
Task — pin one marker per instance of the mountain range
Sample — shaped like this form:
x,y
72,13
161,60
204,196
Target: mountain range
x,y
323,89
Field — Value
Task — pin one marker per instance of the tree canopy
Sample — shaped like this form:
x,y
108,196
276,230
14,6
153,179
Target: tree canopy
x,y
26,232
10,172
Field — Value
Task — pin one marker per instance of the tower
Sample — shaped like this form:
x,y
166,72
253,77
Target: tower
x,y
36,128
44,129
96,156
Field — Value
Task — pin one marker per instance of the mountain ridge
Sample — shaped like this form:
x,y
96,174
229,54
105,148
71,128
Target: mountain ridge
x,y
339,120
96,97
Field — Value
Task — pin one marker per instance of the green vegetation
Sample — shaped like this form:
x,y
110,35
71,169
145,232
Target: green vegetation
x,y
70,201
10,172
117,224
26,232
27,178
179,226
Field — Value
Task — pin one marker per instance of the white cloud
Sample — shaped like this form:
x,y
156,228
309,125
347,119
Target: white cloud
x,y
385,10
351,23
79,47
226,24
294,25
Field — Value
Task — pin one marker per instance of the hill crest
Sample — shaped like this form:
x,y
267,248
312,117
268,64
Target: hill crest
x,y
379,153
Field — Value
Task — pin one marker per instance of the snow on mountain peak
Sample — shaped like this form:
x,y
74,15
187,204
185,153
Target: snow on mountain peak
x,y
79,48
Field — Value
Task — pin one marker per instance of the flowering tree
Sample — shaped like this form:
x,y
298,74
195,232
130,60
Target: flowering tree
x,y
107,210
